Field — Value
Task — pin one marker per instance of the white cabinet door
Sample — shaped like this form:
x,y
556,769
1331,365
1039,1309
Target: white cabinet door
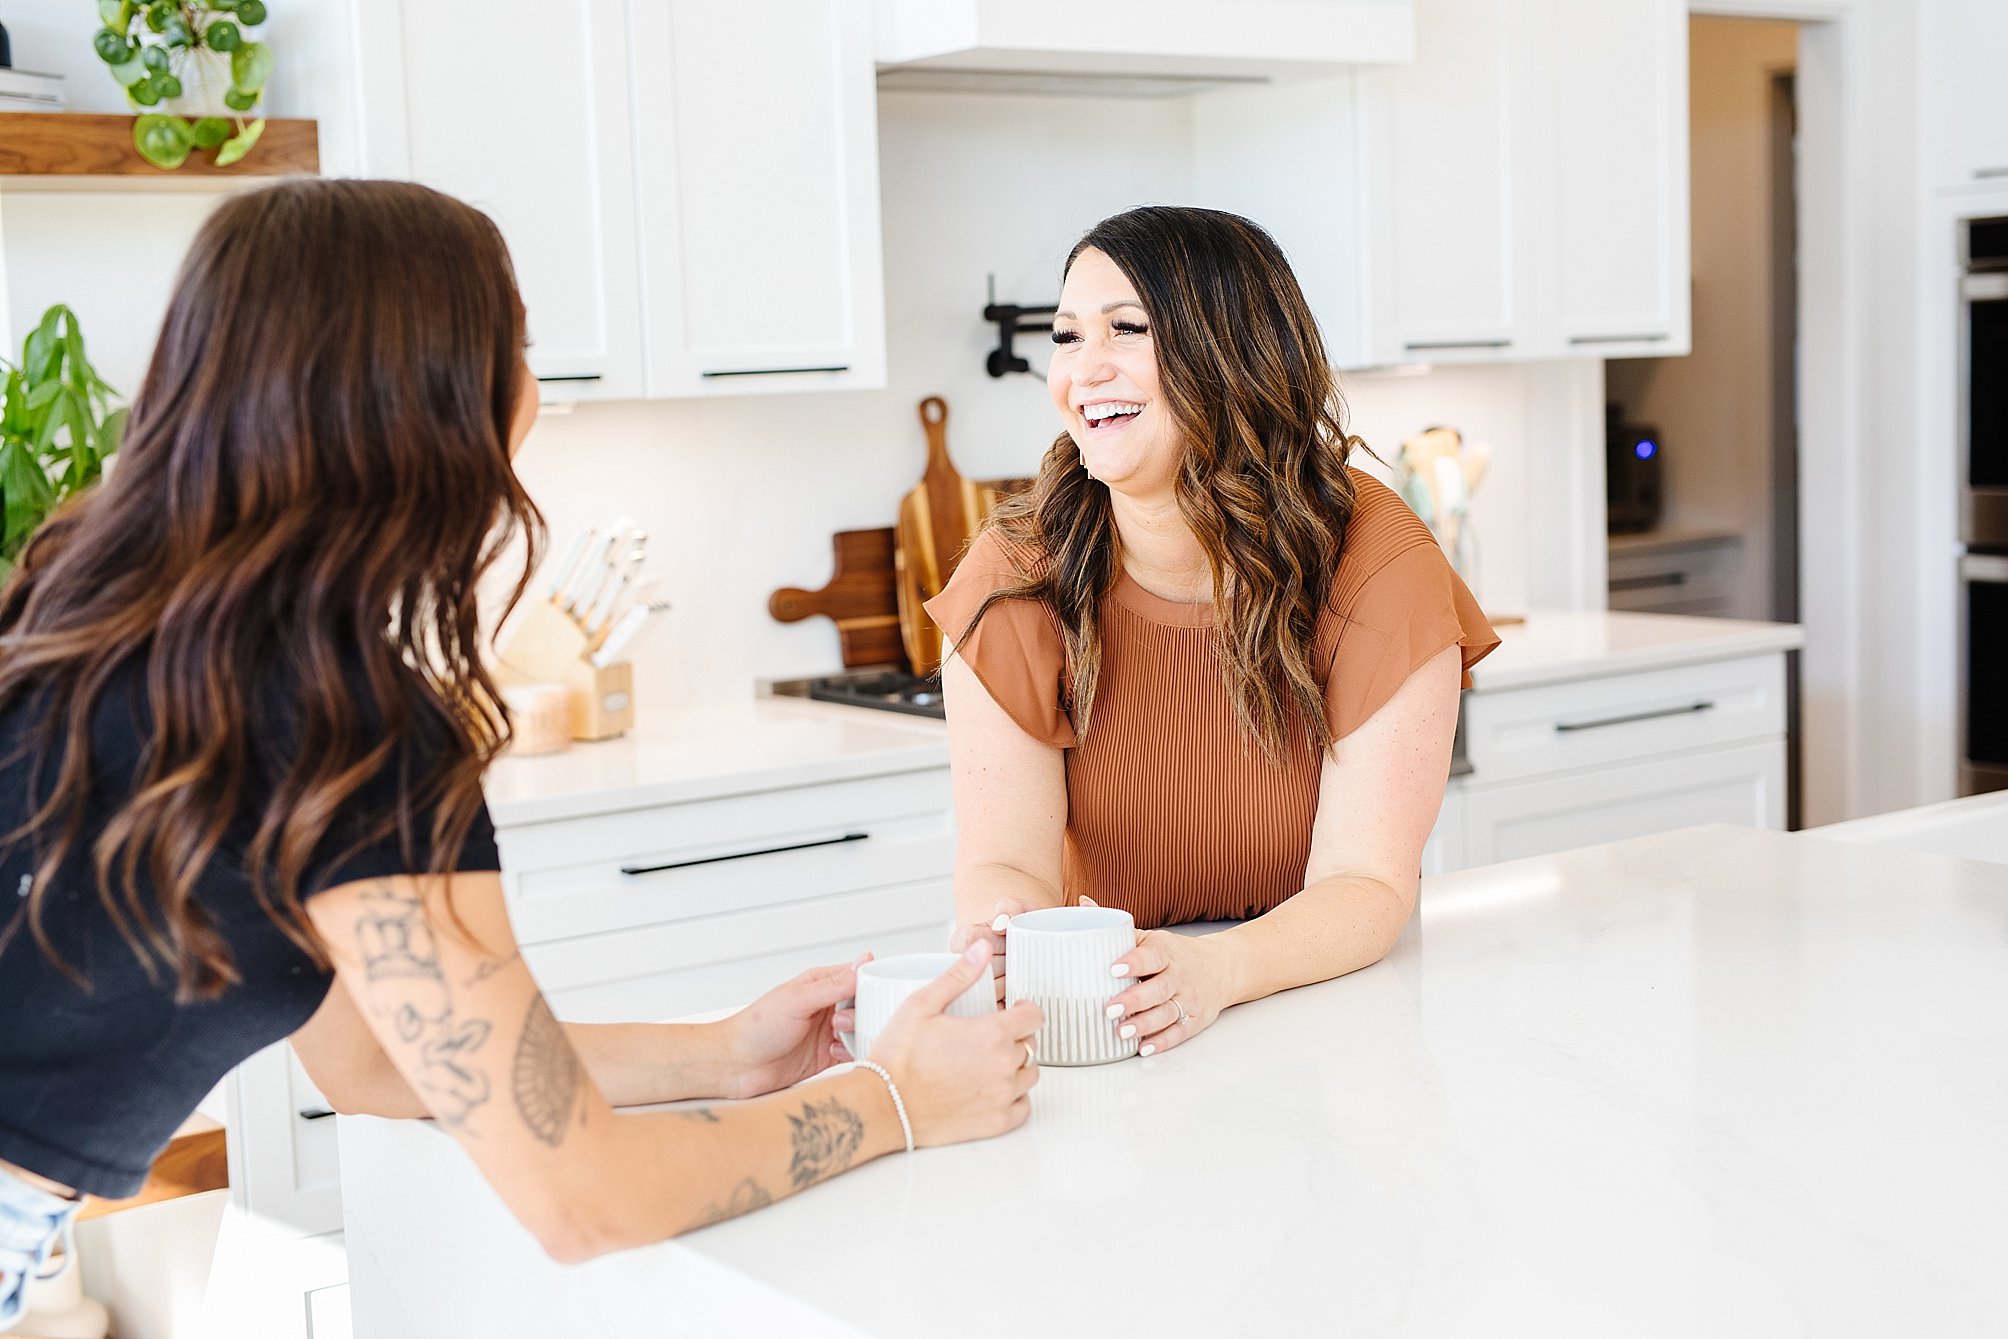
x,y
756,141
1966,97
1447,203
1510,820
1616,179
1445,849
521,109
280,1142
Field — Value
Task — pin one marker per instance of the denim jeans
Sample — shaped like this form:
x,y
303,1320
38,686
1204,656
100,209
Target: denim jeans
x,y
32,1221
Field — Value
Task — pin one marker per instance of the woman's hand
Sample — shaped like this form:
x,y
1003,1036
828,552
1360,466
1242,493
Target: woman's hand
x,y
961,1078
1169,967
784,1036
989,932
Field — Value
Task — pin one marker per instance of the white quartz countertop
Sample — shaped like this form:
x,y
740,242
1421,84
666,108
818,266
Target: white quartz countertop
x,y
1556,646
705,752
1975,828
1716,1082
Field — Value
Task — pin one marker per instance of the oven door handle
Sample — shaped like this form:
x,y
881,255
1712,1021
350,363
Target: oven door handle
x,y
1984,568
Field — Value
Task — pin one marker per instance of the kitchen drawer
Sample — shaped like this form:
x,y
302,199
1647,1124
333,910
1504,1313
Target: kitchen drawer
x,y
1743,784
616,871
719,962
1595,722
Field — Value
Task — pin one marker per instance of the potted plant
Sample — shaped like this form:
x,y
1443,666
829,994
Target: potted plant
x,y
195,59
57,428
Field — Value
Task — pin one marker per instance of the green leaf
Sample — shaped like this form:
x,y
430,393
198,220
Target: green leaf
x,y
144,94
251,13
44,393
178,33
114,14
130,73
158,14
155,58
167,85
223,36
250,67
240,102
241,143
209,132
113,48
111,432
162,140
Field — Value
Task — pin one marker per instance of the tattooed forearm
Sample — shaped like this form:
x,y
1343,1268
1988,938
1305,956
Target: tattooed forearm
x,y
826,1137
747,1196
702,1115
489,968
546,1076
406,985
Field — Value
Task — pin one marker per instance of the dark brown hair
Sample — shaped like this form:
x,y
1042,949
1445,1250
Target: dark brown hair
x,y
314,477
1263,483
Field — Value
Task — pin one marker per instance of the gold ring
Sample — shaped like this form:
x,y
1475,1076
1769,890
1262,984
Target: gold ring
x,y
1028,1053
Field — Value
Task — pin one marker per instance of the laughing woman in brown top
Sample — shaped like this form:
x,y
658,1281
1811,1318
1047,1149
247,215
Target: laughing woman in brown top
x,y
1203,670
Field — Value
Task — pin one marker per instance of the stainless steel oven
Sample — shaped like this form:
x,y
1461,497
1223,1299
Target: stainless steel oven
x,y
1983,508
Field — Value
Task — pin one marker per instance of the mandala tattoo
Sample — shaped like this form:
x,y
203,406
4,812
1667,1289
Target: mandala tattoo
x,y
546,1076
826,1137
747,1196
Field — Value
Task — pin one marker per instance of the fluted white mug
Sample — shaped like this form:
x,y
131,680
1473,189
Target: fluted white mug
x,y
1059,958
885,983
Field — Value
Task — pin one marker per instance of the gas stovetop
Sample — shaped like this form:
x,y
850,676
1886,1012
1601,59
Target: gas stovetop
x,y
881,690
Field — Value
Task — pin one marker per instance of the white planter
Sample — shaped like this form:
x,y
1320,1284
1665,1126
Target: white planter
x,y
205,78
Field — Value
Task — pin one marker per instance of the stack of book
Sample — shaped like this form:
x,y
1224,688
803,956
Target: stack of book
x,y
25,91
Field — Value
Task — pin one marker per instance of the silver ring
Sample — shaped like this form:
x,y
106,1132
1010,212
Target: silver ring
x,y
1028,1053
1181,1008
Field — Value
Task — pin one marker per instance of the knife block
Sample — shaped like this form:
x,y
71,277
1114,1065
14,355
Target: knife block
x,y
602,699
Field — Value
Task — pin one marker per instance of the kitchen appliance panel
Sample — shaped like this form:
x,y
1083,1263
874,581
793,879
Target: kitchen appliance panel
x,y
1984,725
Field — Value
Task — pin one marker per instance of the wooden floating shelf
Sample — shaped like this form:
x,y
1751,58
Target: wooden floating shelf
x,y
53,146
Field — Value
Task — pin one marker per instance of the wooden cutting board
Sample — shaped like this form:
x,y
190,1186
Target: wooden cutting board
x,y
936,519
859,597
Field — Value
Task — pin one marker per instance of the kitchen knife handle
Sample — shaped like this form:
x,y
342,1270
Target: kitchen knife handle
x,y
745,855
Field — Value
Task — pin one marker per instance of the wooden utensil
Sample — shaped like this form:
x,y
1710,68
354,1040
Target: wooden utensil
x,y
860,597
936,519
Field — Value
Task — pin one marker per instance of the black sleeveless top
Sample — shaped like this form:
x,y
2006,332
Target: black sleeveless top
x,y
93,1083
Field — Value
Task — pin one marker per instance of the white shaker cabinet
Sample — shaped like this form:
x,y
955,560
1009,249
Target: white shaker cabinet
x,y
1449,206
689,190
1966,98
756,142
1525,183
1617,145
551,162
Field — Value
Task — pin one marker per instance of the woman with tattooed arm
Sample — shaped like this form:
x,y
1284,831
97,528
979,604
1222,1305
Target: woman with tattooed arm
x,y
243,725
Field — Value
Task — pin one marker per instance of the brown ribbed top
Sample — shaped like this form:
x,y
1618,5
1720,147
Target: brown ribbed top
x,y
1172,814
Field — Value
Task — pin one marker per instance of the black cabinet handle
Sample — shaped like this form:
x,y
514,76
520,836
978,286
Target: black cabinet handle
x,y
315,1113
1652,582
1566,727
571,376
745,855
770,371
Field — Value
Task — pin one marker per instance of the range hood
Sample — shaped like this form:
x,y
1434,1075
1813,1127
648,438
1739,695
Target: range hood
x,y
1132,48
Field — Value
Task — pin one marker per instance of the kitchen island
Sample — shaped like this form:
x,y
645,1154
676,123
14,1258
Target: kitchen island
x,y
1713,1082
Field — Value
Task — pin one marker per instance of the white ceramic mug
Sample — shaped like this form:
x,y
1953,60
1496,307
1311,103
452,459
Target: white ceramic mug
x,y
885,983
1059,958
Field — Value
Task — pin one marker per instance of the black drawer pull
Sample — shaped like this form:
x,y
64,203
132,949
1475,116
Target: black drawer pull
x,y
1652,582
1565,727
570,376
1617,339
745,855
315,1113
770,371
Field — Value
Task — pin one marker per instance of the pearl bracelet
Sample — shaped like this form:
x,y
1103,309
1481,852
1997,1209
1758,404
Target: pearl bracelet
x,y
905,1126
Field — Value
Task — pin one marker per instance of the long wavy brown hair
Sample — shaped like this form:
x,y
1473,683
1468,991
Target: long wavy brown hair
x,y
1263,484
313,480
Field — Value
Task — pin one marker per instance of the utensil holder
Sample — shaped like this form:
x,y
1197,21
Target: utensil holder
x,y
602,699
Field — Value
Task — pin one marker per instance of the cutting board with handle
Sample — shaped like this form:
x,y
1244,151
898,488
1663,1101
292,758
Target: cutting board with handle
x,y
859,596
936,519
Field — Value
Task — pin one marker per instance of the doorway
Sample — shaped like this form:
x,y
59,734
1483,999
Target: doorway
x,y
1725,541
